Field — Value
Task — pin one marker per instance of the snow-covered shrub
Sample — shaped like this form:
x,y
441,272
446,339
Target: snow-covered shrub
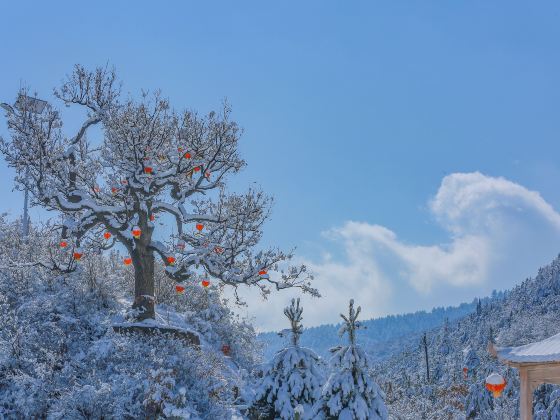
x,y
350,392
292,380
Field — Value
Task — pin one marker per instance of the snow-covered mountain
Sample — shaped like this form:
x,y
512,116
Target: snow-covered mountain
x,y
382,337
529,312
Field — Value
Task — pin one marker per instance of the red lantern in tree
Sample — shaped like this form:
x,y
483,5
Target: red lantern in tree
x,y
218,250
171,260
465,372
207,175
78,254
63,244
196,168
148,170
187,155
199,227
180,289
495,383
107,235
127,261
226,350
262,273
136,232
152,217
205,283
114,190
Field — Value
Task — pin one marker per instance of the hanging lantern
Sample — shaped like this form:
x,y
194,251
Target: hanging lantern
x,y
465,372
199,227
218,250
136,232
180,289
187,155
495,383
152,217
114,190
63,244
107,235
196,168
226,350
171,260
180,245
127,260
148,170
207,175
205,283
78,254
262,273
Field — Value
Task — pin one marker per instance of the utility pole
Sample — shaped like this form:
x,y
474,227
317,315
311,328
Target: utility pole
x,y
425,345
26,105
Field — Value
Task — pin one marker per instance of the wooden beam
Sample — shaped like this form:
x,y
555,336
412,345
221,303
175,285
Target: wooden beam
x,y
525,395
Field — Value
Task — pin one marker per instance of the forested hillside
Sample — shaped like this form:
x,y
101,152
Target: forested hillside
x,y
529,312
381,337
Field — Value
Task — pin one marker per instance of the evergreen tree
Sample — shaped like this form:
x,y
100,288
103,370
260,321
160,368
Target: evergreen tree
x,y
479,403
292,379
350,392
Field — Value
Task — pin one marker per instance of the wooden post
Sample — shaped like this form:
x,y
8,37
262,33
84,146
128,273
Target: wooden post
x,y
525,395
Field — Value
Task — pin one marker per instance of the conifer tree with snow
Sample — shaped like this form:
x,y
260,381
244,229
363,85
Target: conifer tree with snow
x,y
292,381
145,163
350,392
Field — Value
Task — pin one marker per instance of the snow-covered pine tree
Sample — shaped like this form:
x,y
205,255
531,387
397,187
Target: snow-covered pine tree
x,y
293,378
478,403
350,393
151,161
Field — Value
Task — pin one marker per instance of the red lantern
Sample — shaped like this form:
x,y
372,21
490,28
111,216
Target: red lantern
x,y
465,372
495,383
180,289
226,350
262,273
199,227
196,168
207,175
187,155
107,235
205,283
218,250
63,244
78,254
136,232
114,190
171,260
127,261
148,170
152,217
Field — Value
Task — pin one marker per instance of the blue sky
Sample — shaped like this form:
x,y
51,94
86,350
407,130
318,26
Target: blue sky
x,y
357,117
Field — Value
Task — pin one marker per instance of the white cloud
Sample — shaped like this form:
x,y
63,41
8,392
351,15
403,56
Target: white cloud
x,y
498,233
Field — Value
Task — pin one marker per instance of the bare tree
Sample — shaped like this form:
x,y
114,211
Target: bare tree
x,y
151,161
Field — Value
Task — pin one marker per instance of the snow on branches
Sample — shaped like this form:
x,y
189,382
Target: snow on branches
x,y
350,392
292,381
151,160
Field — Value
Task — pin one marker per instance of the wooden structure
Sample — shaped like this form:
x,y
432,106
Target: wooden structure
x,y
538,363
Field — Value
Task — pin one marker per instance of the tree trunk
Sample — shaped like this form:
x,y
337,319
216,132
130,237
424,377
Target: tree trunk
x,y
144,299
